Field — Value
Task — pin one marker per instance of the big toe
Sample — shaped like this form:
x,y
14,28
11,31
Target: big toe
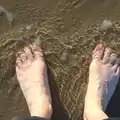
x,y
21,59
98,51
37,51
106,57
28,53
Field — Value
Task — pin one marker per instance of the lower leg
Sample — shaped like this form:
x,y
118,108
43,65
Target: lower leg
x,y
103,77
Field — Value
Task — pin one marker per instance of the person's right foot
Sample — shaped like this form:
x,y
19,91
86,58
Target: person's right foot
x,y
104,75
32,76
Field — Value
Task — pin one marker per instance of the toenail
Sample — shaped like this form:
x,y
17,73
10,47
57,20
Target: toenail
x,y
18,62
115,67
27,49
113,55
17,55
98,48
23,57
101,46
108,49
38,53
35,47
20,53
117,61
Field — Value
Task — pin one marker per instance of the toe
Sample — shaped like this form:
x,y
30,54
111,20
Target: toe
x,y
98,51
115,67
107,53
23,57
118,71
117,61
28,53
113,58
18,62
37,51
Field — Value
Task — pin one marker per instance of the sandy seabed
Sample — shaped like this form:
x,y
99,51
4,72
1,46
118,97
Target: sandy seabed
x,y
68,32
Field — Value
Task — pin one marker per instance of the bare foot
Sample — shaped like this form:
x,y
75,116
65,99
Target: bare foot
x,y
32,76
104,75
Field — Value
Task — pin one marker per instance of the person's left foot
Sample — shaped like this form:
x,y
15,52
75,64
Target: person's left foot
x,y
32,76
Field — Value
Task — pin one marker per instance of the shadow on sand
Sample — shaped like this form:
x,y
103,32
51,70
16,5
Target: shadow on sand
x,y
113,108
59,112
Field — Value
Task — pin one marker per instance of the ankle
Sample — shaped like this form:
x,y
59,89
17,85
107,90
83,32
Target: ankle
x,y
93,108
94,113
42,109
40,104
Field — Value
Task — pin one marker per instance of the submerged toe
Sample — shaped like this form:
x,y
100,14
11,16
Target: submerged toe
x,y
106,56
98,51
28,53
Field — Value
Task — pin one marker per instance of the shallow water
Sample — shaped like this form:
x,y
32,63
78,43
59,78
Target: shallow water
x,y
69,18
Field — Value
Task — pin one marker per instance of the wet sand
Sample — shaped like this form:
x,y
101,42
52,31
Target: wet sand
x,y
69,29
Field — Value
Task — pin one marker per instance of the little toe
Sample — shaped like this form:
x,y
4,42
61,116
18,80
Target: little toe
x,y
98,51
115,67
37,51
28,52
117,61
118,71
107,53
113,58
18,62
